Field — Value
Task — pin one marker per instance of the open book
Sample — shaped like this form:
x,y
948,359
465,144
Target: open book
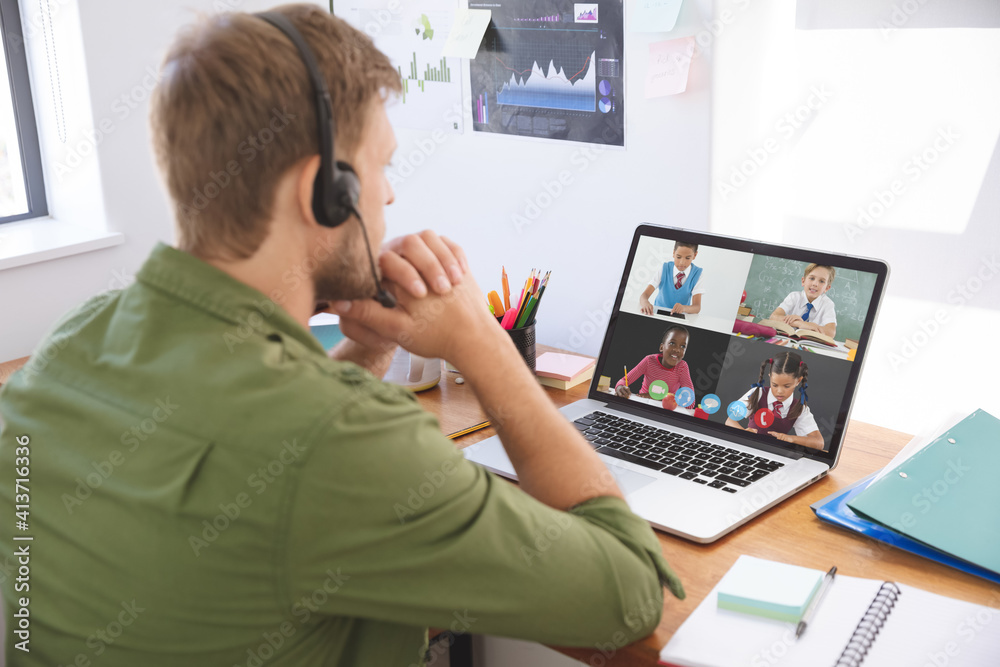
x,y
859,623
798,334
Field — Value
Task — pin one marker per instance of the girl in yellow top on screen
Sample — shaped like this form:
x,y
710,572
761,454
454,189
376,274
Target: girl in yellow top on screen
x,y
811,308
678,284
793,420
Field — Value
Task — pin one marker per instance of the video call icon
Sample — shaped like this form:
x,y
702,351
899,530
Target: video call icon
x,y
764,418
658,389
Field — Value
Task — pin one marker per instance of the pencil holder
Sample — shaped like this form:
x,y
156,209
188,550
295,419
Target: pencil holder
x,y
524,341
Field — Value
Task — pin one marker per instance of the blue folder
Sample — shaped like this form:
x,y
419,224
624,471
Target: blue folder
x,y
833,509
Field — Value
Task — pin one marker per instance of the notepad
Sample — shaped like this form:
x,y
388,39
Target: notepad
x,y
769,589
859,623
562,366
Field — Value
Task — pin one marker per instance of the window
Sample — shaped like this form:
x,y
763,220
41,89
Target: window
x,y
22,190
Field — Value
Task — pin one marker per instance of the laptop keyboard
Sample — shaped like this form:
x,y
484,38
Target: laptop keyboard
x,y
701,462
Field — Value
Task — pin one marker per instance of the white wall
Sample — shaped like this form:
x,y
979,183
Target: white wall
x,y
893,81
582,236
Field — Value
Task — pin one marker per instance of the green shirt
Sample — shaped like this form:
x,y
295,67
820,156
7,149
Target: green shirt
x,y
207,487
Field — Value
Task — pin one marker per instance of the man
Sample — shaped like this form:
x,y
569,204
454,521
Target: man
x,y
208,487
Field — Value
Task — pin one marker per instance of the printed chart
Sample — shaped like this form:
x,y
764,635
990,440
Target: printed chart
x,y
551,70
413,36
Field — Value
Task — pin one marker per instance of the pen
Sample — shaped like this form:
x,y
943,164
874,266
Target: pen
x,y
811,609
626,376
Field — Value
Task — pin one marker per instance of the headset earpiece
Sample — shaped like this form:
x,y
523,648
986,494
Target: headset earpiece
x,y
337,188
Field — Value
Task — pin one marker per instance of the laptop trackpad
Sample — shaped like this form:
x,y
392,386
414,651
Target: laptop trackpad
x,y
628,480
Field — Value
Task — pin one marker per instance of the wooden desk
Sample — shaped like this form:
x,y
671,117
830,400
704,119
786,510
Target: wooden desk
x,y
788,532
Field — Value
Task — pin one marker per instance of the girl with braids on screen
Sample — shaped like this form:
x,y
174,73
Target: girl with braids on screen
x,y
786,374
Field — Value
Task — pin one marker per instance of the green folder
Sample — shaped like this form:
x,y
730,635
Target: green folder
x,y
947,495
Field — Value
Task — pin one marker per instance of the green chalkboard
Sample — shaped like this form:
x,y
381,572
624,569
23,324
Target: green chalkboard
x,y
771,279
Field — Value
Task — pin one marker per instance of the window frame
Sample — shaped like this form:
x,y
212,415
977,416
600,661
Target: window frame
x,y
24,112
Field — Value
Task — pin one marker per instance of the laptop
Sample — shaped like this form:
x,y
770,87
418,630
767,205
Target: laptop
x,y
741,403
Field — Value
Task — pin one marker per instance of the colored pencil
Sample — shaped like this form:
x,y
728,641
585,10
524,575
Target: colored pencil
x,y
506,289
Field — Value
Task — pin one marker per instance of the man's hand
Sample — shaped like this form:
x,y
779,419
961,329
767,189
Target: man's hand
x,y
419,263
423,262
456,326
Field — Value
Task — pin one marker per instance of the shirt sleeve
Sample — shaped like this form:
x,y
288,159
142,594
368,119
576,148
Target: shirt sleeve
x,y
788,305
656,283
698,285
420,536
685,378
805,423
635,373
829,312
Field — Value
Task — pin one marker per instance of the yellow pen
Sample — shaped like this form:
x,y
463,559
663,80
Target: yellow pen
x,y
626,376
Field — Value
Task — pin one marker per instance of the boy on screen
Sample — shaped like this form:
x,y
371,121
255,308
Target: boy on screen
x,y
811,308
678,283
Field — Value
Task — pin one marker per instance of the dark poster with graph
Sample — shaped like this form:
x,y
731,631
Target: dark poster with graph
x,y
551,70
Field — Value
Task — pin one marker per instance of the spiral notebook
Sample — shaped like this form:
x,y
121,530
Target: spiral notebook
x,y
860,623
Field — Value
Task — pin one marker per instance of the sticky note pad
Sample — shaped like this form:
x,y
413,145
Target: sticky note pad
x,y
768,589
561,366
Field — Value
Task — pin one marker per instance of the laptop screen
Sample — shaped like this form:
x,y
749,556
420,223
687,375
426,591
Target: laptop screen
x,y
757,343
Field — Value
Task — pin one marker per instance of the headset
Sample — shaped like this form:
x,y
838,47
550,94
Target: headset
x,y
337,188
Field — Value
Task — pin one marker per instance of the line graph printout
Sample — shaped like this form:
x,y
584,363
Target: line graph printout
x,y
551,70
413,35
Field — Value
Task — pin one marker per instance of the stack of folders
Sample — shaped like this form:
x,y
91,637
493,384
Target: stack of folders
x,y
563,371
939,498
858,623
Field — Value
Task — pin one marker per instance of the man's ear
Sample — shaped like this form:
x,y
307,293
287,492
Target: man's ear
x,y
305,183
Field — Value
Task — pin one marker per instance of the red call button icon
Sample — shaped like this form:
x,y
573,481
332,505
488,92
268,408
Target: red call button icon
x,y
763,418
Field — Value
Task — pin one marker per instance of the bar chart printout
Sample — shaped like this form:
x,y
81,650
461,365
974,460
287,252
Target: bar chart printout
x,y
413,34
551,70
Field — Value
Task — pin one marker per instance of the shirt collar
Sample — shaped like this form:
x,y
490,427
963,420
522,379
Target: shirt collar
x,y
816,301
210,289
786,404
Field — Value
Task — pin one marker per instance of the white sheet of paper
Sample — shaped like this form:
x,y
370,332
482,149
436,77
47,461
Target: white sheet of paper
x,y
467,32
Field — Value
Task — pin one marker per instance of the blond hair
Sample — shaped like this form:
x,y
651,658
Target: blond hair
x,y
235,110
813,267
